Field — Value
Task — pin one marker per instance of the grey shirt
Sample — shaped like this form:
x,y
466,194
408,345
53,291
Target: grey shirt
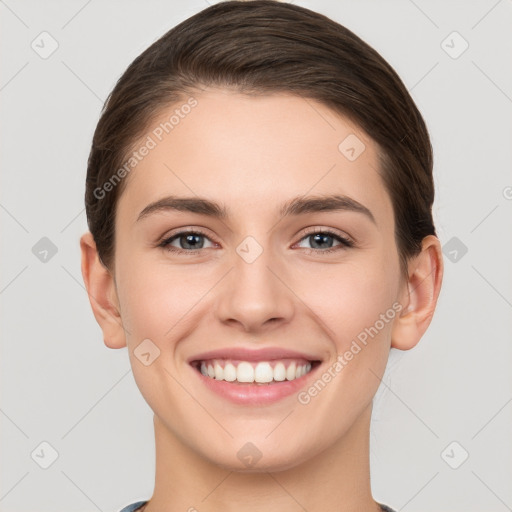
x,y
134,506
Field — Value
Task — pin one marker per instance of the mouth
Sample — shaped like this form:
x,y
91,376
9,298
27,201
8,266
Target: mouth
x,y
254,377
254,372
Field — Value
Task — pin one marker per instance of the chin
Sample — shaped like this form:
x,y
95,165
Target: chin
x,y
249,459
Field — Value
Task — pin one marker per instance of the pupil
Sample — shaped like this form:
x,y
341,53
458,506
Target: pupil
x,y
318,238
322,238
190,240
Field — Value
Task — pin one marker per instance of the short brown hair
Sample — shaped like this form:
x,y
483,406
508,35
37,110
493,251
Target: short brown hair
x,y
259,47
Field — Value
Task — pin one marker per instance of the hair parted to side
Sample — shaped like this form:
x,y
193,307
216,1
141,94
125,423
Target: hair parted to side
x,y
262,47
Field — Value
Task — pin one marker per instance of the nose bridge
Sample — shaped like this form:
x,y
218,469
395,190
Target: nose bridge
x,y
253,294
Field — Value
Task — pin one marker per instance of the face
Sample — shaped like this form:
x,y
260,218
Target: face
x,y
287,282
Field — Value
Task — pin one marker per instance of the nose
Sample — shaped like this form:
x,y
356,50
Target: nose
x,y
255,296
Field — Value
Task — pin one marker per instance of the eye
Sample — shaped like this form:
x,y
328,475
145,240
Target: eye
x,y
190,241
185,241
323,241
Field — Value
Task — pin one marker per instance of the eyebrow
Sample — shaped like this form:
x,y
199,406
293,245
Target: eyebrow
x,y
296,206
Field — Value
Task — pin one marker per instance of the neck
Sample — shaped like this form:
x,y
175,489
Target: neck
x,y
335,480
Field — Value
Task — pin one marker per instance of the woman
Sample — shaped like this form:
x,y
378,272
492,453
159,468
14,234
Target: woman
x,y
259,198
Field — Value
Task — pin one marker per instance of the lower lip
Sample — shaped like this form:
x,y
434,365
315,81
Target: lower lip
x,y
255,394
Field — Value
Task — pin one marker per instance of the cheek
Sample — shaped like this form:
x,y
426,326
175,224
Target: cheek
x,y
157,304
351,298
156,299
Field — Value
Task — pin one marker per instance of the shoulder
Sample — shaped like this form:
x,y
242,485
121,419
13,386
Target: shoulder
x,y
133,507
385,508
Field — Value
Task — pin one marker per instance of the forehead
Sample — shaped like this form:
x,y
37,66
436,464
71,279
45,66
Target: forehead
x,y
253,152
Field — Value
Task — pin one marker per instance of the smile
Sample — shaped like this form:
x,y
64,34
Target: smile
x,y
250,377
261,372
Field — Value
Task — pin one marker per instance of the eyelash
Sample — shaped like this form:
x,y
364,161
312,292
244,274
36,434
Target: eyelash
x,y
345,243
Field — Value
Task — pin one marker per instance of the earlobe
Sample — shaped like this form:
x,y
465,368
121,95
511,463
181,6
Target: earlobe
x,y
102,294
420,295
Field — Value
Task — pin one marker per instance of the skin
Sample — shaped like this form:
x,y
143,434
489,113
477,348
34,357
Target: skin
x,y
252,154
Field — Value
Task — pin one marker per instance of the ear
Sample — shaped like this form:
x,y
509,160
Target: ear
x,y
419,295
102,293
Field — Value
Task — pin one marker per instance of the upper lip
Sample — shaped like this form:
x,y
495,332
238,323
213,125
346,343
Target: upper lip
x,y
244,354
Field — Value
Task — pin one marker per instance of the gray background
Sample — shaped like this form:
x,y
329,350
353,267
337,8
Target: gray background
x,y
62,386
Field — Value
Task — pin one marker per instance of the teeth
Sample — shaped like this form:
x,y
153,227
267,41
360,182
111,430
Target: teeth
x,y
219,371
245,372
291,372
279,372
261,372
229,372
